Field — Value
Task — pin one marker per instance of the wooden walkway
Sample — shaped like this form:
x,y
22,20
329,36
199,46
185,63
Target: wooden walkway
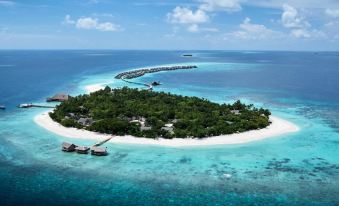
x,y
102,142
150,87
25,106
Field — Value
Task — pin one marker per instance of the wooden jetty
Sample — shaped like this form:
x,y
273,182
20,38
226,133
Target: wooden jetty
x,y
100,151
102,142
30,105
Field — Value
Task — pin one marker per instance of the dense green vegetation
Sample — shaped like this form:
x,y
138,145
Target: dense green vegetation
x,y
144,113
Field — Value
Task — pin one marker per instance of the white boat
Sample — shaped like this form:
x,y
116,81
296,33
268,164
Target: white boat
x,y
2,107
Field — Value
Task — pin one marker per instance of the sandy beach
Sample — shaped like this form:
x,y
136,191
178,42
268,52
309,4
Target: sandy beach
x,y
94,87
278,127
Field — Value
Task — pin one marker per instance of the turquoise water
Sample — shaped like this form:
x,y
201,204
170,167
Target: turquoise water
x,y
295,169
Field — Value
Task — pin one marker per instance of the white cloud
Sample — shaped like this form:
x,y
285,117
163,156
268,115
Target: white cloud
x,y
220,5
86,23
254,28
307,4
300,33
108,26
292,19
249,31
183,15
68,20
6,3
91,24
193,28
93,1
334,13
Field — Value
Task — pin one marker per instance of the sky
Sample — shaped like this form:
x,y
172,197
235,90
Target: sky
x,y
306,25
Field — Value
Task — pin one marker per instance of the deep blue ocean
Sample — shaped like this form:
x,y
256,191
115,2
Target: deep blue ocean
x,y
300,168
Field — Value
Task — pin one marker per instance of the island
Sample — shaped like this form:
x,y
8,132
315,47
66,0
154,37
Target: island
x,y
149,114
187,55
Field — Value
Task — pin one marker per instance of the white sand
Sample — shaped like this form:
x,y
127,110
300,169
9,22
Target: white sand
x,y
94,87
278,127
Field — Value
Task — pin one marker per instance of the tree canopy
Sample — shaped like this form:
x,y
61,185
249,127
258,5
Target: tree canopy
x,y
150,114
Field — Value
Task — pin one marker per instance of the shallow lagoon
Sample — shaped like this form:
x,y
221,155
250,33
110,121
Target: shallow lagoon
x,y
300,168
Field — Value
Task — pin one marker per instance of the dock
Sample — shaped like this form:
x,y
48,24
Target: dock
x,y
149,86
102,142
34,105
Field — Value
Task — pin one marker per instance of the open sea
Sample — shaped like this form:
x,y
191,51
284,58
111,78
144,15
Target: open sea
x,y
301,168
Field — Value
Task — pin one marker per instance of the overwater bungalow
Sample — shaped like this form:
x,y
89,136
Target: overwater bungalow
x,y
68,147
98,151
58,98
82,149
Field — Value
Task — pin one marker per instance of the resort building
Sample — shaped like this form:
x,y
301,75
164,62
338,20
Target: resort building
x,y
58,98
98,151
168,127
82,150
236,112
68,147
85,121
144,128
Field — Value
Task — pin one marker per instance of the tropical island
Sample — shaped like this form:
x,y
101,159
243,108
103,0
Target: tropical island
x,y
148,114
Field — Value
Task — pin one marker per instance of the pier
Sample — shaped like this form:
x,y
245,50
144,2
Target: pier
x,y
150,86
34,105
102,142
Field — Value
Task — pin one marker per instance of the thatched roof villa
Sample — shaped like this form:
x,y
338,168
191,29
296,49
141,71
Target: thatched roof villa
x,y
68,147
58,98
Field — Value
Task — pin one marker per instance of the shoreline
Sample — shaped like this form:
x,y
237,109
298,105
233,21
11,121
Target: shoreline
x,y
276,128
94,87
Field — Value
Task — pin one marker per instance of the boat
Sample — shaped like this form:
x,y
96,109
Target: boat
x,y
156,83
2,107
